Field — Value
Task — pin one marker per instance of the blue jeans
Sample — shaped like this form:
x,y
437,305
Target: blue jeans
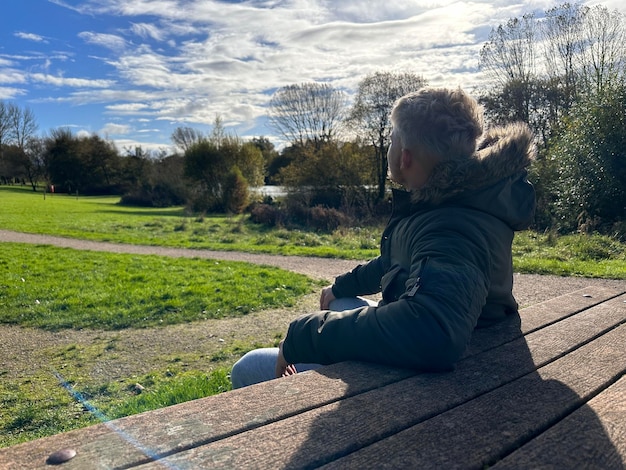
x,y
259,365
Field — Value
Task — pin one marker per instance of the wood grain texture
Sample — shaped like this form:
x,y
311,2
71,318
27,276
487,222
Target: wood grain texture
x,y
482,431
572,442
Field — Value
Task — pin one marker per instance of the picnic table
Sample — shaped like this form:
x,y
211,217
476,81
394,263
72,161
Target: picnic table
x,y
546,392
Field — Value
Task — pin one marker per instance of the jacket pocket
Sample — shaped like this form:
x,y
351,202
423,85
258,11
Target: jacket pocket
x,y
413,284
392,283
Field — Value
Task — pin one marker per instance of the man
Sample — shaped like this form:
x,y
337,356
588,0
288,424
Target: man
x,y
445,265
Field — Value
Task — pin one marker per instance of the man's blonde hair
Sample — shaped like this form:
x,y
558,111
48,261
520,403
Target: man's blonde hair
x,y
440,121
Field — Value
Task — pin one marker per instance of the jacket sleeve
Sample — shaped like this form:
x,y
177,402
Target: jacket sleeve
x,y
427,328
362,280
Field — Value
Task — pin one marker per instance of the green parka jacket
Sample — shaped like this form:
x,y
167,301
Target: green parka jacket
x,y
445,266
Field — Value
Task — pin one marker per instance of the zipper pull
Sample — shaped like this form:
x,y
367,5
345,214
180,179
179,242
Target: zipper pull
x,y
415,288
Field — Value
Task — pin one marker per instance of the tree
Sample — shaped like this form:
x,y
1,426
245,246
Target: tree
x,y
271,158
562,44
590,156
185,137
208,164
370,114
582,49
6,111
90,165
236,192
23,126
508,60
307,112
63,163
33,163
603,58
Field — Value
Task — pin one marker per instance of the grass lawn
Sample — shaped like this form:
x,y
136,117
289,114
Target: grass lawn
x,y
55,288
102,219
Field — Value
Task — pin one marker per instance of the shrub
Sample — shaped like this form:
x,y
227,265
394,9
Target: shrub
x,y
265,214
235,192
326,218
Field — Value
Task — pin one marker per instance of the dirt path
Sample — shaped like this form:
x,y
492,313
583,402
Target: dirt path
x,y
130,352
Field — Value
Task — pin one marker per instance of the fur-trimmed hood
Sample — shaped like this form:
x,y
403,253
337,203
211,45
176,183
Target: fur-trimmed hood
x,y
492,180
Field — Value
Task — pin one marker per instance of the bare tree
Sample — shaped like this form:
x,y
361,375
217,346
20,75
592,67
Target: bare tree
x,y
603,58
185,137
23,126
370,113
6,129
509,60
561,29
307,112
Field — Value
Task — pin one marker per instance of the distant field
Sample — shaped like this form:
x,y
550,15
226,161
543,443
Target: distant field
x,y
101,218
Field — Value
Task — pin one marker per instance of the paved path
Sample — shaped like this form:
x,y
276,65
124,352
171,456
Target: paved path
x,y
528,288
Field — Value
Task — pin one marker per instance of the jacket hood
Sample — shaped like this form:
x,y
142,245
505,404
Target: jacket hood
x,y
493,179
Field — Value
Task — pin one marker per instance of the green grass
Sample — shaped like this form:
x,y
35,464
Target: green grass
x,y
56,288
49,403
62,393
570,255
102,219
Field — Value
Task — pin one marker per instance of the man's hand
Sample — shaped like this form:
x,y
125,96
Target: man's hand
x,y
283,368
326,298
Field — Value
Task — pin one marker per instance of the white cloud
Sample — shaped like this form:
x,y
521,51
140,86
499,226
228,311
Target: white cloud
x,y
71,82
109,41
115,129
9,93
146,30
30,37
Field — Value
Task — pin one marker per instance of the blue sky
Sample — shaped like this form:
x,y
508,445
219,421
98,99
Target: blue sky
x,y
134,70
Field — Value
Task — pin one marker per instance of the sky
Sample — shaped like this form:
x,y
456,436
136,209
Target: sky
x,y
132,71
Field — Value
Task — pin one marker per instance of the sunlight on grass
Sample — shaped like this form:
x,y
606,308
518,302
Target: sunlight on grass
x,y
56,288
102,219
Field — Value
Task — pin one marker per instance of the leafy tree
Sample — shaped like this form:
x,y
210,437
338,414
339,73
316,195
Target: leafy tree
x,y
208,163
90,164
63,162
236,193
307,112
272,161
370,114
590,155
327,174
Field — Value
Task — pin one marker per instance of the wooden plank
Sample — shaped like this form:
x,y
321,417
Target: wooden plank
x,y
482,431
136,439
539,316
573,440
322,434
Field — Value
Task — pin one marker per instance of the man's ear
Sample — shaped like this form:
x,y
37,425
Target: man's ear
x,y
406,160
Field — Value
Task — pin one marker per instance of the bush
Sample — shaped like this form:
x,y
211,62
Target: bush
x,y
326,219
265,214
235,192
